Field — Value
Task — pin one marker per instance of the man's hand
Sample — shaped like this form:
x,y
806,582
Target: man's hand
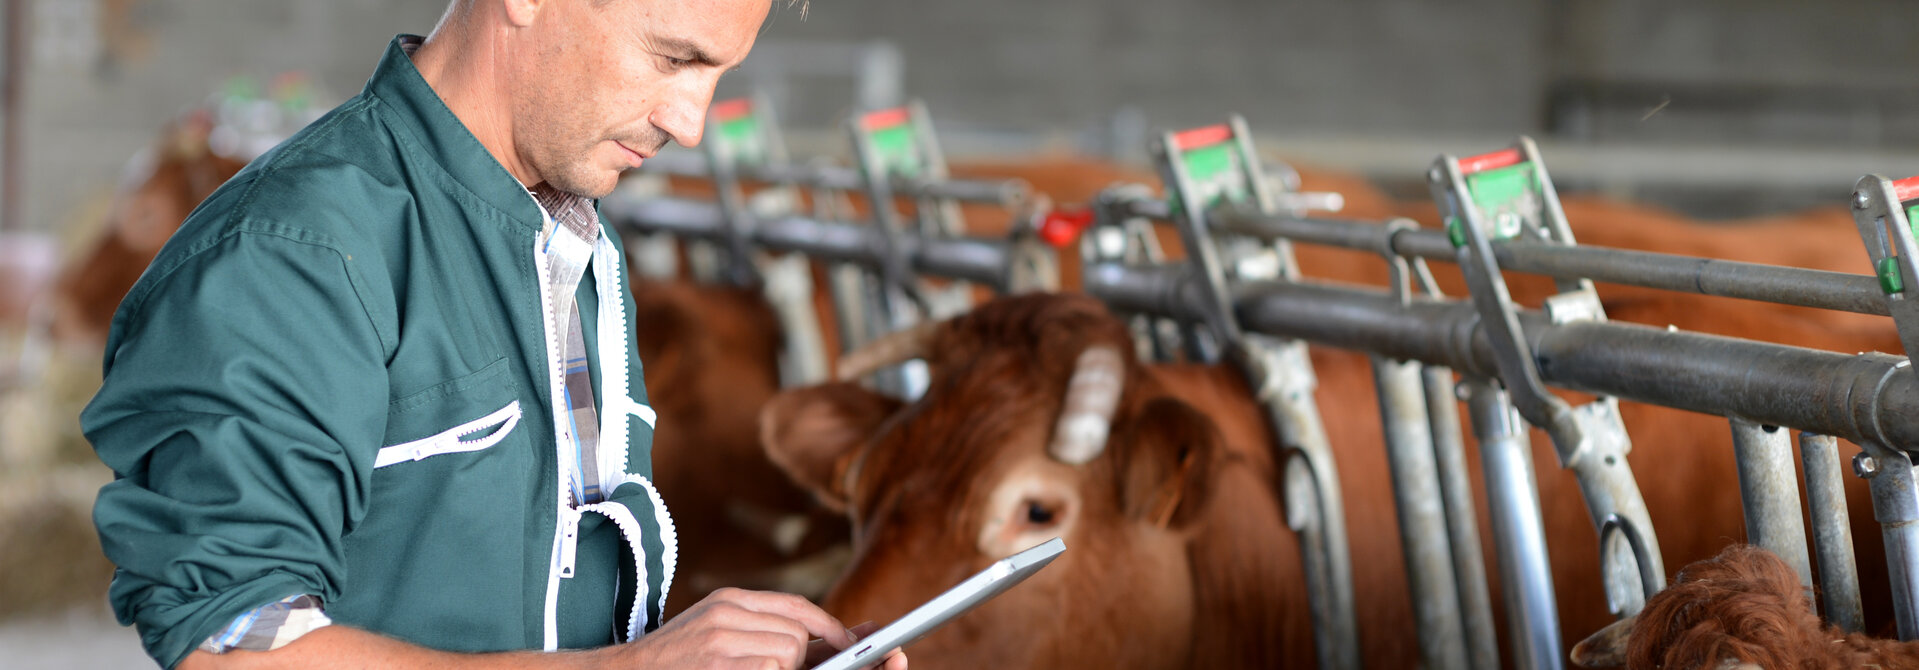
x,y
729,629
733,628
818,651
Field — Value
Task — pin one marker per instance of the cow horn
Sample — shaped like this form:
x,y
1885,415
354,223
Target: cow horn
x,y
889,349
1092,395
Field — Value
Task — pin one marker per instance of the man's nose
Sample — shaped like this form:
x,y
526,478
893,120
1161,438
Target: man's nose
x,y
685,118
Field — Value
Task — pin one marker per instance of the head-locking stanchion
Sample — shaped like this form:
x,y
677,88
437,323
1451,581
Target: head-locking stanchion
x,y
1213,165
1507,195
1885,211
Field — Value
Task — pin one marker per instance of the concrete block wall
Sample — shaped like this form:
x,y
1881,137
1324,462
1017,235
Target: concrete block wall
x,y
1319,70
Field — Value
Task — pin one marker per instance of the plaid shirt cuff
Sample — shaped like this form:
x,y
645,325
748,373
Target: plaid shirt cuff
x,y
271,626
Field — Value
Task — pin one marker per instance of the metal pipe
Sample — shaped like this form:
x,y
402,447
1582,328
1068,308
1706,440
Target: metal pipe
x,y
1853,397
984,261
1422,518
1002,192
1462,523
1519,534
1831,531
970,259
1751,281
1897,510
1769,495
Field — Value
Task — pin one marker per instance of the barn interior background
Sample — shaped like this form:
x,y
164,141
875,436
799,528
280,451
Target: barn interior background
x,y
1717,108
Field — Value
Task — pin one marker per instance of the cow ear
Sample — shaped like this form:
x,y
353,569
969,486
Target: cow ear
x,y
1166,461
812,433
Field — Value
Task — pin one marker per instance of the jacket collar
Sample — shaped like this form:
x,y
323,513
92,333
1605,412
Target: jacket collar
x,y
399,86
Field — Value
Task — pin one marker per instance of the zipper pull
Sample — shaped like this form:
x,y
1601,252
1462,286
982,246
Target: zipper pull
x,y
569,541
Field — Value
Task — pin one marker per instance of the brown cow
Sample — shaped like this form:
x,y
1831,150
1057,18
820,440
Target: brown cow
x,y
184,172
711,357
1744,608
1177,554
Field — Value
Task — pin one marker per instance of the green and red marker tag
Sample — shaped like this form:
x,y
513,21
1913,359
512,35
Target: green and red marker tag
x,y
1213,165
893,138
1905,193
737,129
1505,188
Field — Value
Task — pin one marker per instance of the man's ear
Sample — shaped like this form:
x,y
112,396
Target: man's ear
x,y
812,433
1166,462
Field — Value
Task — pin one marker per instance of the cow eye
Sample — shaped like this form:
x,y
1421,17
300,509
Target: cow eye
x,y
1038,514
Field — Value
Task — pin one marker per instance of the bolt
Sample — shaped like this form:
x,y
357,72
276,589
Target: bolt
x,y
1436,175
1462,392
1860,199
1864,465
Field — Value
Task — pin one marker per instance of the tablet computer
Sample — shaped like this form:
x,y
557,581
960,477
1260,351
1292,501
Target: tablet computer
x,y
992,581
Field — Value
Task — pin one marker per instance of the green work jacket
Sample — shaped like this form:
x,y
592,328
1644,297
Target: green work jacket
x,y
336,380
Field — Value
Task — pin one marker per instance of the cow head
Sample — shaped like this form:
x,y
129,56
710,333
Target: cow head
x,y
1034,426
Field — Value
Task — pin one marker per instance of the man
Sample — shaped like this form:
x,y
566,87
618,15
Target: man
x,y
375,404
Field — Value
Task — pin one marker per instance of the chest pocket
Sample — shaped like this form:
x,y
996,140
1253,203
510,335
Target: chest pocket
x,y
467,414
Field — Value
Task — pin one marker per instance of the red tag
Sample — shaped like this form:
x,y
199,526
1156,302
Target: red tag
x,y
1906,189
1061,227
1491,161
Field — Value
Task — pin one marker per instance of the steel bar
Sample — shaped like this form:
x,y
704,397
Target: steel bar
x,y
1831,531
1853,397
1462,523
1751,281
1519,534
984,261
1897,510
1002,192
1769,493
1422,513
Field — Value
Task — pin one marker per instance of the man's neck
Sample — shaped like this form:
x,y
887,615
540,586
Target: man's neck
x,y
467,69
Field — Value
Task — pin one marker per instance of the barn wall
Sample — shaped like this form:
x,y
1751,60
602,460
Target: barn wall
x,y
1837,73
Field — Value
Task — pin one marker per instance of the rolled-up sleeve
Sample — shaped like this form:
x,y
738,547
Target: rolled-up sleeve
x,y
243,402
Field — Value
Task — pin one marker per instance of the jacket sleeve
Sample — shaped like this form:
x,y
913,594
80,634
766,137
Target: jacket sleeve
x,y
243,402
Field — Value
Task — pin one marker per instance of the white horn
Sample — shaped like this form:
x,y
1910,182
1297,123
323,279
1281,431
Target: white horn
x,y
889,349
1092,395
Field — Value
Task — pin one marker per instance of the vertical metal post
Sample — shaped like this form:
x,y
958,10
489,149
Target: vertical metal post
x,y
1519,534
1769,494
1896,506
12,98
1281,375
1422,519
1462,524
1831,531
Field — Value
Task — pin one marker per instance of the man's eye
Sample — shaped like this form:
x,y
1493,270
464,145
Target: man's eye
x,y
677,63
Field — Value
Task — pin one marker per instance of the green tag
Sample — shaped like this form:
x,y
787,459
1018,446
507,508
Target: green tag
x,y
1507,197
898,149
1215,174
740,140
1890,280
1912,219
